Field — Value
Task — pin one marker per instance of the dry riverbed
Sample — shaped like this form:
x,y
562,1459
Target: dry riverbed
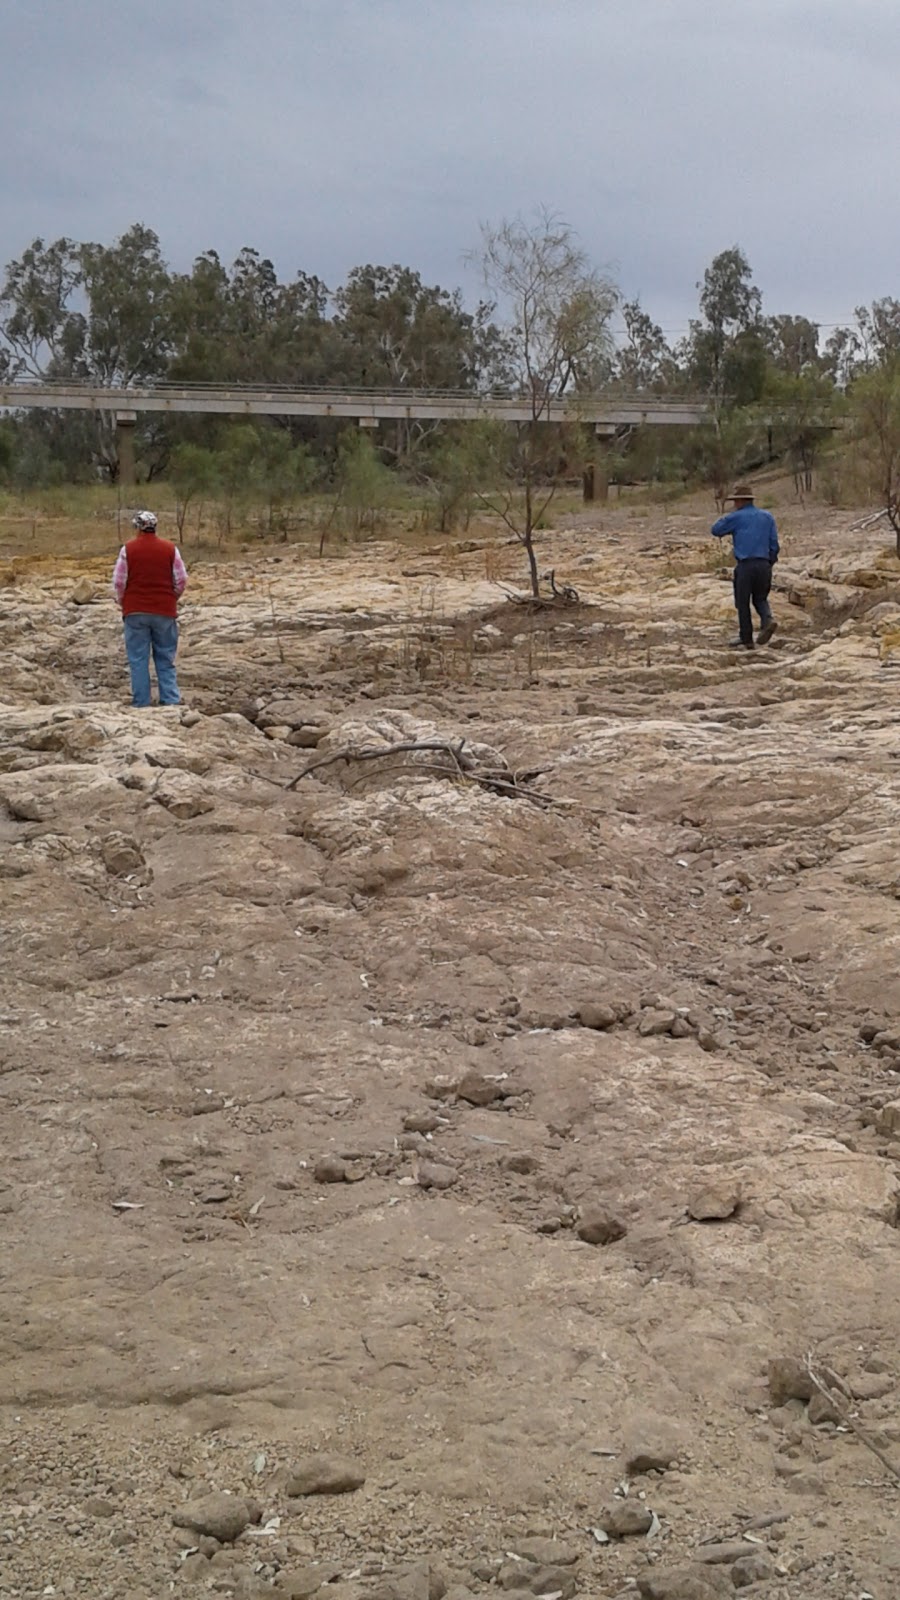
x,y
439,1175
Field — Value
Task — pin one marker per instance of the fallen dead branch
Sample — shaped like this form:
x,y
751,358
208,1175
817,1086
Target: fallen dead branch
x,y
463,767
372,753
868,522
833,1390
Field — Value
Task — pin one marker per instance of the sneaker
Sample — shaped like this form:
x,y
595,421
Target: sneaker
x,y
766,631
738,644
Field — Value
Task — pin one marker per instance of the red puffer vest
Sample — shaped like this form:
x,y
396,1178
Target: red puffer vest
x,y
149,586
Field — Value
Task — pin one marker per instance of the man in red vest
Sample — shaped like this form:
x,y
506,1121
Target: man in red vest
x,y
148,578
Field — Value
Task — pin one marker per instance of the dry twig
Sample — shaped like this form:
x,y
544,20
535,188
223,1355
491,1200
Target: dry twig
x,y
831,1389
503,782
374,753
275,628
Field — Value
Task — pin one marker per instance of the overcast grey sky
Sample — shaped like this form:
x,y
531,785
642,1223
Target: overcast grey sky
x,y
328,133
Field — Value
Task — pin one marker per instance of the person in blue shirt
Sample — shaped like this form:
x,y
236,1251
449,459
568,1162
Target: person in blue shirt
x,y
755,540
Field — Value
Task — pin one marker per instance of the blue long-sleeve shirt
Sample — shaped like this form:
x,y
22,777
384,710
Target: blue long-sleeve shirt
x,y
753,532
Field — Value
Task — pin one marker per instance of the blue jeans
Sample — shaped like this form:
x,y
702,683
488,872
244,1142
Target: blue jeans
x,y
144,632
752,581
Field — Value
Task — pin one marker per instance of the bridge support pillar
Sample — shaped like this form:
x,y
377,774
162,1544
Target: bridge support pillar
x,y
595,481
126,422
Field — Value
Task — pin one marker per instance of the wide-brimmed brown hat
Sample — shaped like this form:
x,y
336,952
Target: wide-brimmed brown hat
x,y
741,491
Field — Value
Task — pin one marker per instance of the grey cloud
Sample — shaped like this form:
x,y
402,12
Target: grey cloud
x,y
331,132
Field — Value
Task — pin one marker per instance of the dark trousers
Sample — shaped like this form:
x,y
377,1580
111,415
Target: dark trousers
x,y
752,581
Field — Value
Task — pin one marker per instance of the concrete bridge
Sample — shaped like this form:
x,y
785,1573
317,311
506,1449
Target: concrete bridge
x,y
608,413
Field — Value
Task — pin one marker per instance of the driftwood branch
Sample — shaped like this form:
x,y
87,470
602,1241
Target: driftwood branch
x,y
464,767
829,1386
868,522
374,753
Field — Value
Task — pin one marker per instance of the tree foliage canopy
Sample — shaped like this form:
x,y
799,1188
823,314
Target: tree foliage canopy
x,y
118,314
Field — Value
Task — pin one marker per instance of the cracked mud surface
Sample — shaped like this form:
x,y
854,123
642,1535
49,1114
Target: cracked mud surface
x,y
681,976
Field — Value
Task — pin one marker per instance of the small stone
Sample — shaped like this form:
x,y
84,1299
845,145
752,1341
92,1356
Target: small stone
x,y
228,1561
653,1023
307,1582
871,1385
515,1574
97,1506
478,1090
520,1161
559,1581
441,1087
714,1202
888,1120
182,795
330,1169
357,1171
789,1380
598,1225
194,1568
415,1143
324,1474
652,1443
724,1553
216,1194
805,1483
189,719
752,1568
205,1105
535,1579
435,1175
822,1410
83,592
622,1519
424,1580
598,1017
767,1519
220,1516
543,1552
422,1122
684,1583
121,855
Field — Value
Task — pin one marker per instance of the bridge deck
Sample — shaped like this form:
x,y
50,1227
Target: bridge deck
x,y
606,411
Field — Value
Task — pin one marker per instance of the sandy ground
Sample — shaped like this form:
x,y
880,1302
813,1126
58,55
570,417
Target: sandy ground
x,y
493,1154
